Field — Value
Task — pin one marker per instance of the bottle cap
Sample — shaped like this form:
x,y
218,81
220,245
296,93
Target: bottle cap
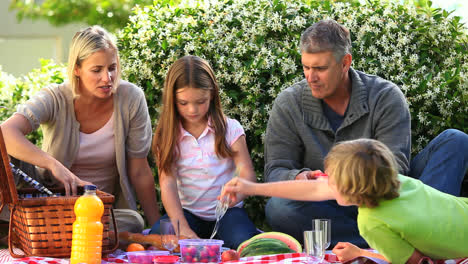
x,y
90,187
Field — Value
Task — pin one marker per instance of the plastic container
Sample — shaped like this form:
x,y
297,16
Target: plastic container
x,y
145,257
166,260
200,250
87,228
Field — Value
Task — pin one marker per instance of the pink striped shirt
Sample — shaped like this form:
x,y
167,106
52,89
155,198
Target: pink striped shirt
x,y
200,173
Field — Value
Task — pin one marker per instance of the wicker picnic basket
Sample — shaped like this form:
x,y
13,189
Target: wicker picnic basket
x,y
43,226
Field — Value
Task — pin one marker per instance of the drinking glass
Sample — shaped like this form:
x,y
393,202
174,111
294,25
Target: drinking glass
x,y
314,246
325,226
169,235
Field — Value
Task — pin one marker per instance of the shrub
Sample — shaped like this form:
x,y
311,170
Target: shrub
x,y
111,14
253,47
14,91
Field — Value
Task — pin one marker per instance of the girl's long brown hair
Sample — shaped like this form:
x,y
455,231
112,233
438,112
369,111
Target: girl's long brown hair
x,y
193,72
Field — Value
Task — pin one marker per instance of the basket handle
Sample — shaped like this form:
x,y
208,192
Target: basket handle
x,y
116,236
10,233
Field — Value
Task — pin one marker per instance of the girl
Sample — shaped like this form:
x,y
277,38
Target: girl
x,y
404,219
197,150
96,129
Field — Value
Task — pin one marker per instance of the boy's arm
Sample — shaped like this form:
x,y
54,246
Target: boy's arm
x,y
346,251
387,242
300,190
416,258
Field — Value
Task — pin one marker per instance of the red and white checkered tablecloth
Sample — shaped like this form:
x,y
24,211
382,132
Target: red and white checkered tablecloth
x,y
295,258
5,257
287,258
279,258
329,258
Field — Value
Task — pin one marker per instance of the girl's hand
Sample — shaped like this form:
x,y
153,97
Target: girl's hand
x,y
186,231
346,251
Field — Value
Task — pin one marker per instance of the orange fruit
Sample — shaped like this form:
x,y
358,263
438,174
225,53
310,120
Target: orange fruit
x,y
135,247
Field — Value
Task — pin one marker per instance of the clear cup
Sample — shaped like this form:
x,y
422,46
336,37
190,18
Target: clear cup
x,y
314,246
325,226
169,234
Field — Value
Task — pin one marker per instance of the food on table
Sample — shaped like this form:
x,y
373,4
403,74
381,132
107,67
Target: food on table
x,y
229,255
135,247
265,246
200,250
87,228
145,257
152,239
289,240
151,247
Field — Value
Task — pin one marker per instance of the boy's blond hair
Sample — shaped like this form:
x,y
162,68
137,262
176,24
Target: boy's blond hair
x,y
364,171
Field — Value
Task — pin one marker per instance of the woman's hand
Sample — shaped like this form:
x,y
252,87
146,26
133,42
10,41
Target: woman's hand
x,y
346,251
69,180
14,131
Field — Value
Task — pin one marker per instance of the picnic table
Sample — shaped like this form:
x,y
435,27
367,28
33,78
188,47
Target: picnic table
x,y
293,258
5,257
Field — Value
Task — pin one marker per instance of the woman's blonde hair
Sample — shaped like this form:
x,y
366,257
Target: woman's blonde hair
x,y
364,171
86,42
193,72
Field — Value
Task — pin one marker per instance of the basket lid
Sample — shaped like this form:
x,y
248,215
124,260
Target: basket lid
x,y
8,193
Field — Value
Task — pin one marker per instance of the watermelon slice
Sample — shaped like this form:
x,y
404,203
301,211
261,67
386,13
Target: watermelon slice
x,y
289,240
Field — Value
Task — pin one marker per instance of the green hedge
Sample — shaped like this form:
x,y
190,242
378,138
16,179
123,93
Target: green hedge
x,y
253,47
16,90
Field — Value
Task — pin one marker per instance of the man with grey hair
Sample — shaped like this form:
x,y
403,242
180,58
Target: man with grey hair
x,y
336,103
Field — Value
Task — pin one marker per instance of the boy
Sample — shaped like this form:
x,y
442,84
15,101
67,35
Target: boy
x,y
402,218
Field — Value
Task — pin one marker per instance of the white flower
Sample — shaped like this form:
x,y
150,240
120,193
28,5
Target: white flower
x,y
253,50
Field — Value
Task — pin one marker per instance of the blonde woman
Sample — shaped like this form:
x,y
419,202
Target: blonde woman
x,y
96,129
401,217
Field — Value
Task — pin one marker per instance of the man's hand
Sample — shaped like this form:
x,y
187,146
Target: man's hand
x,y
308,175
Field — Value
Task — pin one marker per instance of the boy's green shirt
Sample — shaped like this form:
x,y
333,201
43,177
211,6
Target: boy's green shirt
x,y
422,218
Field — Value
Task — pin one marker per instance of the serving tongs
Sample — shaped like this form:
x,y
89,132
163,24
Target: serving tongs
x,y
222,206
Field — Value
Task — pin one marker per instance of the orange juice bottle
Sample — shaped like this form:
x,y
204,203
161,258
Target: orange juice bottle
x,y
87,228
